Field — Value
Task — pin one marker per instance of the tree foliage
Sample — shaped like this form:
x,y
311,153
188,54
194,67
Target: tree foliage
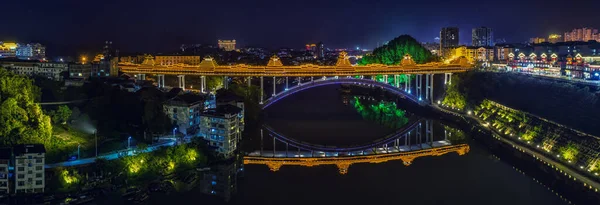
x,y
60,115
385,113
21,119
569,151
393,52
454,97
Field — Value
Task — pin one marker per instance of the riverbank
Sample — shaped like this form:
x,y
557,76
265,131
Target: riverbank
x,y
558,177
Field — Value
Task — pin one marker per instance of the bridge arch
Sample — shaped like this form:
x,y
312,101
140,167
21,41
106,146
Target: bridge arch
x,y
333,81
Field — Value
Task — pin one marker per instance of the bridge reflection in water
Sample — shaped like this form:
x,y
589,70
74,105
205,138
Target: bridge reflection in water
x,y
396,146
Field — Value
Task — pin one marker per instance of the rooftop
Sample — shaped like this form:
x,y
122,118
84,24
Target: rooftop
x,y
186,99
28,148
222,110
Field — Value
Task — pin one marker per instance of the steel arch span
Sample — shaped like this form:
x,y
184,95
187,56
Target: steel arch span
x,y
333,81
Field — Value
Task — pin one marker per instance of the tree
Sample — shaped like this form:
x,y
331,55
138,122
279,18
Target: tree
x,y
213,83
61,115
454,97
21,119
569,151
393,52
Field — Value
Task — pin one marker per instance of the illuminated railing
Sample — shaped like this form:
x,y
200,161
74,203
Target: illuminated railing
x,y
343,163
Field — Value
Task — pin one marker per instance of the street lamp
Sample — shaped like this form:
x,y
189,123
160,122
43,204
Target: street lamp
x,y
128,142
78,145
96,136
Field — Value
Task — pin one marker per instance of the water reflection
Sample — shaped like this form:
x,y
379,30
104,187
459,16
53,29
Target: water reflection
x,y
221,179
382,112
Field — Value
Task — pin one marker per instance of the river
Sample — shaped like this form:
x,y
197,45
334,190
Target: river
x,y
328,116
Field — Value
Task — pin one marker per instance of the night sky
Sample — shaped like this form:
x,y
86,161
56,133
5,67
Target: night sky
x,y
154,26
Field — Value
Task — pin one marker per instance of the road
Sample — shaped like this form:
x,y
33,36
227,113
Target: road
x,y
112,155
526,149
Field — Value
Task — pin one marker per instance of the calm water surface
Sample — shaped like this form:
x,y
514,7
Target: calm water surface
x,y
320,116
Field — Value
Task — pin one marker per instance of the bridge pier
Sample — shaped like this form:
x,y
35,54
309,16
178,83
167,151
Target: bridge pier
x,y
249,80
202,84
287,84
225,82
311,79
396,77
181,80
385,79
408,83
429,87
419,85
419,139
141,76
299,80
448,78
261,142
274,88
429,132
160,81
262,91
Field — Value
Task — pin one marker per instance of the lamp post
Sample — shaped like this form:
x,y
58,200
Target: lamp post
x,y
78,151
128,142
96,136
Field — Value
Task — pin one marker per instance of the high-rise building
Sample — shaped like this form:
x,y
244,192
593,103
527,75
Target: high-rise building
x,y
554,38
448,37
227,45
29,168
582,34
321,50
482,36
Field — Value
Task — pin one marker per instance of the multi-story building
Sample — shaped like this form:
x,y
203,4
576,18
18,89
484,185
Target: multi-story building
x,y
50,70
448,39
184,110
132,59
582,34
502,51
34,51
29,168
554,38
320,50
176,59
482,36
8,50
433,47
536,40
227,45
221,128
229,98
480,54
5,156
80,70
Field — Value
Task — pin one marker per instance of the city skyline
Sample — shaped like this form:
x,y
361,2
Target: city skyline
x,y
136,26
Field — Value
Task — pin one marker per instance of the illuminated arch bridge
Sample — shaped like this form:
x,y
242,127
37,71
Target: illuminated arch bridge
x,y
405,144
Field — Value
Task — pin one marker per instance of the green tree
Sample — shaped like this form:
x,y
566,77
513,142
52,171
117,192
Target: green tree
x,y
569,151
61,115
21,119
393,52
213,83
454,97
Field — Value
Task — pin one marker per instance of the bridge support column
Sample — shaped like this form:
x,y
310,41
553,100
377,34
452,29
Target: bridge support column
x,y
262,91
274,88
429,132
287,84
300,80
429,87
396,78
225,82
385,79
419,85
249,80
274,146
142,76
181,80
261,142
286,149
312,80
419,132
447,78
324,77
160,81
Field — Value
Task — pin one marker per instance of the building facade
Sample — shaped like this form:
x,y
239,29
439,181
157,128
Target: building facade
x,y
320,50
172,60
227,45
482,36
536,40
221,128
184,111
448,39
5,158
34,51
582,34
8,50
554,38
50,70
80,70
29,168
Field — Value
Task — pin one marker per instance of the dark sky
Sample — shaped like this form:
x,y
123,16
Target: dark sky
x,y
153,26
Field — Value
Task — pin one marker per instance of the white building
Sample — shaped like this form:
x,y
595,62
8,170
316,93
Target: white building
x,y
49,70
34,51
222,128
29,168
184,111
5,156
